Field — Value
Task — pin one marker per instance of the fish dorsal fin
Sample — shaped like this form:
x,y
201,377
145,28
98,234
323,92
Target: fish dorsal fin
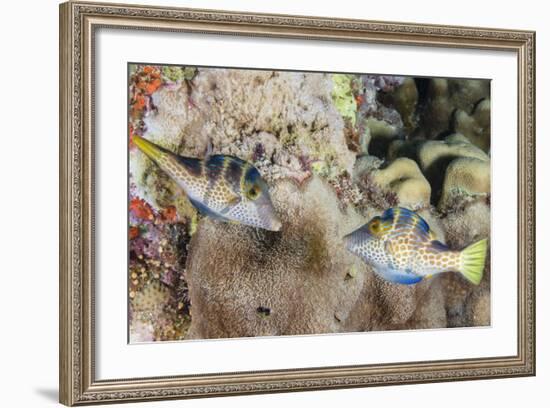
x,y
388,214
438,246
403,218
209,150
192,165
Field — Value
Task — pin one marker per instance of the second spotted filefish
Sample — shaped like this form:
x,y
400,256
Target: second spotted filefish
x,y
220,186
401,248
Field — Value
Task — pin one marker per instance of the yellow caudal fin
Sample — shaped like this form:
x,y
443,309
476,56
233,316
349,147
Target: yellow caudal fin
x,y
473,261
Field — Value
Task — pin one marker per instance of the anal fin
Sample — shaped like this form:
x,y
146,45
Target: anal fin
x,y
407,279
403,278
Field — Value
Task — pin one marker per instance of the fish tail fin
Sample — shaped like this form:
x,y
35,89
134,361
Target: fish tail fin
x,y
473,261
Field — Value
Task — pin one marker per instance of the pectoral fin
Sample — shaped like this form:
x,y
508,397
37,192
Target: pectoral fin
x,y
204,210
232,203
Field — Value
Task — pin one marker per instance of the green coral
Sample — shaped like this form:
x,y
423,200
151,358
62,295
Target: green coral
x,y
321,168
175,73
343,98
133,69
326,166
352,273
193,224
289,139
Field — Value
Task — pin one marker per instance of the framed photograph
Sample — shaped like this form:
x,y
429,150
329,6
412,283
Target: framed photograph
x,y
258,203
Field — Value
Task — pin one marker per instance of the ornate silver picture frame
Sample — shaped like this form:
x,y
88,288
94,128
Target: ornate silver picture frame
x,y
79,22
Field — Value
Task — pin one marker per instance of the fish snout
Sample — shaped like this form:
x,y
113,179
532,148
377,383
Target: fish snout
x,y
153,151
268,217
276,224
273,223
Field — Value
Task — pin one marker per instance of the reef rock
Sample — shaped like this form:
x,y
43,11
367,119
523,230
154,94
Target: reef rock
x,y
379,134
248,114
148,312
475,127
435,156
404,178
444,97
405,100
371,112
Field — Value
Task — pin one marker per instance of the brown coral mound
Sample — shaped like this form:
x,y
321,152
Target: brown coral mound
x,y
248,282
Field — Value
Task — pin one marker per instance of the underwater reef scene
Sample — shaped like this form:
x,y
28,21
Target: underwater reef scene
x,y
267,203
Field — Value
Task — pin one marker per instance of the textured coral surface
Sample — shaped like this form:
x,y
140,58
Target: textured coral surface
x,y
335,150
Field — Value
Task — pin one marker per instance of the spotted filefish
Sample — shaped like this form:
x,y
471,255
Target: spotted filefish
x,y
401,248
222,187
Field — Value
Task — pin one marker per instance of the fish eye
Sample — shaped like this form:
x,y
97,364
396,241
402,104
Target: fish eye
x,y
253,193
374,226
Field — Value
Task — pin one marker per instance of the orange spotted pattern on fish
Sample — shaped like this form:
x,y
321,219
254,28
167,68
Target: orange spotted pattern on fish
x,y
401,248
